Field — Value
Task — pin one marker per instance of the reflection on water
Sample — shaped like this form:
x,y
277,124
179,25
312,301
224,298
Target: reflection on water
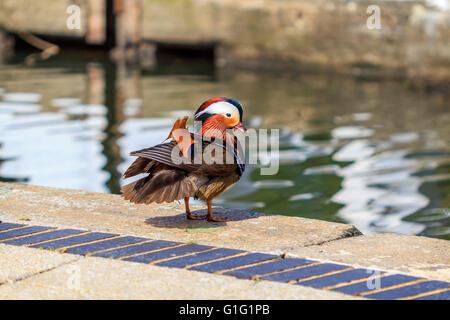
x,y
372,154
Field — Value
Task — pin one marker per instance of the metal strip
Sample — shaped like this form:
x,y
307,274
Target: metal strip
x,y
118,247
346,284
136,249
94,241
61,238
298,274
199,257
443,294
391,287
51,235
219,259
233,262
168,253
331,273
7,226
79,239
372,284
413,289
84,249
342,277
268,267
9,235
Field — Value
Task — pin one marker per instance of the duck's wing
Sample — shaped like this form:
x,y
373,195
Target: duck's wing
x,y
221,159
167,153
168,180
162,184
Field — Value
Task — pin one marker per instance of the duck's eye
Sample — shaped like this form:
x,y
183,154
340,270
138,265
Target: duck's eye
x,y
228,115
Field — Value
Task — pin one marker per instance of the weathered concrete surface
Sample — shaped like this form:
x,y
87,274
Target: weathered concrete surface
x,y
17,263
420,256
110,213
98,278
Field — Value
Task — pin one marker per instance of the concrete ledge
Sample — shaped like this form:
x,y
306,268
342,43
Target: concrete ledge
x,y
31,273
19,263
110,213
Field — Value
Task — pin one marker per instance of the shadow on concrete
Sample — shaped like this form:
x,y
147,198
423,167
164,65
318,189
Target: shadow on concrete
x,y
179,221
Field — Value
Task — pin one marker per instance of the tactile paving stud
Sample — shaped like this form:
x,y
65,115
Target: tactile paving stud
x,y
374,284
103,245
22,232
43,237
7,226
168,253
199,257
278,265
410,290
233,262
135,249
338,278
306,272
56,244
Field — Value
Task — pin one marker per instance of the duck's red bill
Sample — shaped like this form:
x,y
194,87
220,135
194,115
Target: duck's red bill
x,y
240,127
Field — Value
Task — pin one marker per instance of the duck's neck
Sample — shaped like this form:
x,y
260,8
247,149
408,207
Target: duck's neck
x,y
213,128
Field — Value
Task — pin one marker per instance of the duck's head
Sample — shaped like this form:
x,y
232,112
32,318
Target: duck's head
x,y
219,114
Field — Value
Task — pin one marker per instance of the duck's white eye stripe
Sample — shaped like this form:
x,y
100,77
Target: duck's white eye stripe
x,y
221,107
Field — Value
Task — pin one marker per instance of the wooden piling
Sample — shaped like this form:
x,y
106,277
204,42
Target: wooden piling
x,y
96,24
128,29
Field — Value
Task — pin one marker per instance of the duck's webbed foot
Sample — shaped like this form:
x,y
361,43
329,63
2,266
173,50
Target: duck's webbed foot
x,y
214,219
210,216
189,215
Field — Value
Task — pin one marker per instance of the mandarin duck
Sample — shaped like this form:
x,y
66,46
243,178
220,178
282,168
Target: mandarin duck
x,y
202,164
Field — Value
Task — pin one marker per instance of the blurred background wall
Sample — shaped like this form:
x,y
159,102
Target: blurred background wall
x,y
413,42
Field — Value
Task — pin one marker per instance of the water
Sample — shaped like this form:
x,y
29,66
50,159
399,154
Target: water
x,y
372,154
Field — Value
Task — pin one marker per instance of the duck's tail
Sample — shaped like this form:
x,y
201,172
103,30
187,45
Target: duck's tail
x,y
162,185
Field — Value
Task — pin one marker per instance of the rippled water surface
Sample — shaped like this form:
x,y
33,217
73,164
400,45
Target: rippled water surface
x,y
368,153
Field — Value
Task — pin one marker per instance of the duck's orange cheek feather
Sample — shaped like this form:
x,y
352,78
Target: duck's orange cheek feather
x,y
230,122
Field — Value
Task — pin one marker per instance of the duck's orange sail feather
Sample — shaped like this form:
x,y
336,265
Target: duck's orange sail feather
x,y
181,135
